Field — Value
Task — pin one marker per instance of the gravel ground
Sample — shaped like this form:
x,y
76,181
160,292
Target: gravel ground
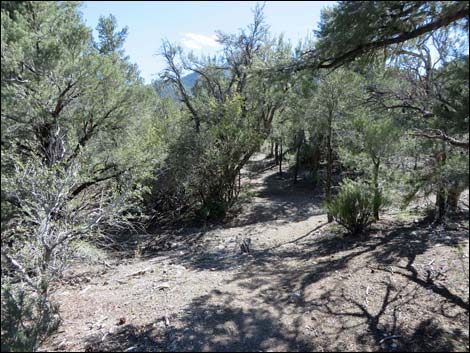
x,y
305,286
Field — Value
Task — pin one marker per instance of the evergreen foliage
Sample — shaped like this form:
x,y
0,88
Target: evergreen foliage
x,y
378,100
354,206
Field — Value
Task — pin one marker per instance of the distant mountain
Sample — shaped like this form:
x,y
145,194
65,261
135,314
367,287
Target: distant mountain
x,y
190,80
167,90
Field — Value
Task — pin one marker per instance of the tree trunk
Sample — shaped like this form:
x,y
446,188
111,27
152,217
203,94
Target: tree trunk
x,y
51,138
329,164
453,197
280,158
440,203
316,162
375,181
441,193
297,163
271,151
276,153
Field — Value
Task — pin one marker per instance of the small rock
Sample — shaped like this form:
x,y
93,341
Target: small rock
x,y
179,267
245,246
163,285
174,346
453,226
62,345
207,314
159,324
295,298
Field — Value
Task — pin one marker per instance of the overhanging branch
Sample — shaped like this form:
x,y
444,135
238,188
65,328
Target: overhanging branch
x,y
315,61
440,135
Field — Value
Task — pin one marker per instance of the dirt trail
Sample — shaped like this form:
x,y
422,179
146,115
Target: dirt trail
x,y
302,288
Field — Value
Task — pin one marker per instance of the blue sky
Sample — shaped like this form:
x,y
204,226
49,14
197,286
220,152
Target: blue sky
x,y
192,24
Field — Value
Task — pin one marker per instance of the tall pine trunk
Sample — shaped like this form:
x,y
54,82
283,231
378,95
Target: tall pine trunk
x,y
329,164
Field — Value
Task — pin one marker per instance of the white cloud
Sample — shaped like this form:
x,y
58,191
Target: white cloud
x,y
199,41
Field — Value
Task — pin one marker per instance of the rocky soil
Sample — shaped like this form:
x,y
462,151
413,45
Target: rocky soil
x,y
303,286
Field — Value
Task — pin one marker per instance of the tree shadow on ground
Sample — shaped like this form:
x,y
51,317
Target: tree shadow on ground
x,y
279,199
257,167
216,322
314,258
382,327
279,281
387,244
210,323
429,336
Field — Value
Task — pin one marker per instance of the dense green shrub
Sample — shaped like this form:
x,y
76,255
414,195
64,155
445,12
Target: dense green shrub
x,y
27,319
354,205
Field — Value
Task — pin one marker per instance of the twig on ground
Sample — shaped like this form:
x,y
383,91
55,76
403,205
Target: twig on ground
x,y
388,338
